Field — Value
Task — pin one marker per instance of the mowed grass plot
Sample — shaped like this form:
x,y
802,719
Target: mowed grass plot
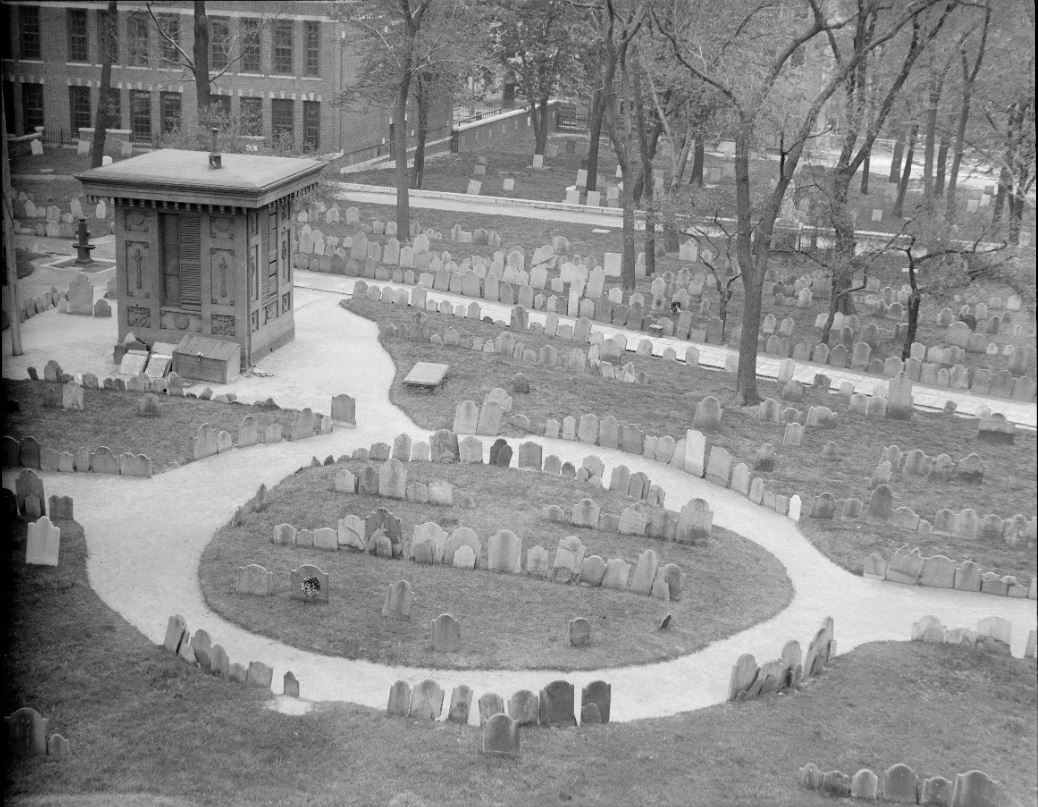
x,y
508,621
143,722
109,418
665,405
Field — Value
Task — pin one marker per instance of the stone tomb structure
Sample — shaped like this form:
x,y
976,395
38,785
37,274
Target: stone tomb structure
x,y
203,250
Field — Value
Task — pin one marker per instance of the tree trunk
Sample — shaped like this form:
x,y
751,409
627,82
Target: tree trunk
x,y
698,158
843,265
403,212
540,126
752,255
1004,181
930,140
895,160
200,53
942,168
914,299
597,113
627,279
422,104
902,186
109,36
681,161
865,174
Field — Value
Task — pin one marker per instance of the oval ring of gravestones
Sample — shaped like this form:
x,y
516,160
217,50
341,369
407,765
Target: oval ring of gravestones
x,y
309,588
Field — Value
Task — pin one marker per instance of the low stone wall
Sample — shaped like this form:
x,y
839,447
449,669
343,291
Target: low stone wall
x,y
786,673
901,784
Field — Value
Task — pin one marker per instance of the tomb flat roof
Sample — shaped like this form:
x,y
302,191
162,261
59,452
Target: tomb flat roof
x,y
178,175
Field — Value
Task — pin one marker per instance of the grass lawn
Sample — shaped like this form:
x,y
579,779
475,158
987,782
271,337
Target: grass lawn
x,y
665,405
508,621
141,721
110,418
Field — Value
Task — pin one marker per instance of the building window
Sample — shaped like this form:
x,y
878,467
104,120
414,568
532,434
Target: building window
x,y
137,36
78,48
79,109
219,42
282,121
114,109
313,49
140,115
107,26
170,102
32,107
250,45
6,32
29,27
181,261
312,125
283,48
251,112
169,35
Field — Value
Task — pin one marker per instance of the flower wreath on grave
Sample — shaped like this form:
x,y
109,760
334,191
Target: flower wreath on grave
x,y
311,587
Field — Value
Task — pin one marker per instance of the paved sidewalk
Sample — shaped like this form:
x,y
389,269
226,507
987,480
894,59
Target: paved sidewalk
x,y
155,542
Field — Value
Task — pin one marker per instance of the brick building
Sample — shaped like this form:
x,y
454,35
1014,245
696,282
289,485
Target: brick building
x,y
286,64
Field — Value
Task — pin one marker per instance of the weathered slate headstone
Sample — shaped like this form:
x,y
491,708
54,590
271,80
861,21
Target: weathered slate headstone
x,y
556,705
500,735
446,634
42,543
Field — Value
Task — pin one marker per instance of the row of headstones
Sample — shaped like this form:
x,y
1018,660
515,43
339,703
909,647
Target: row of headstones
x,y
984,381
379,533
27,735
971,335
942,468
979,380
911,568
965,523
209,440
571,564
784,674
553,707
197,649
609,309
28,453
390,481
573,361
993,633
692,525
901,784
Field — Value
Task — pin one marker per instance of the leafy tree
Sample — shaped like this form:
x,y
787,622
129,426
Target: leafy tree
x,y
537,43
746,55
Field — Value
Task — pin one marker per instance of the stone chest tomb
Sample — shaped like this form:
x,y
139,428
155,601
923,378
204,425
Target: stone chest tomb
x,y
203,252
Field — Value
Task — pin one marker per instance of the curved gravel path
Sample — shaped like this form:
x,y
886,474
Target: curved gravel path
x,y
146,539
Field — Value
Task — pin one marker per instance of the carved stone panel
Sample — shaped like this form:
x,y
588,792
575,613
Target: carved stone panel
x,y
221,276
136,265
221,227
136,221
138,316
223,325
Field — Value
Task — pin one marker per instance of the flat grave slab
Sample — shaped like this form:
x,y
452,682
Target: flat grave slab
x,y
426,375
133,362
